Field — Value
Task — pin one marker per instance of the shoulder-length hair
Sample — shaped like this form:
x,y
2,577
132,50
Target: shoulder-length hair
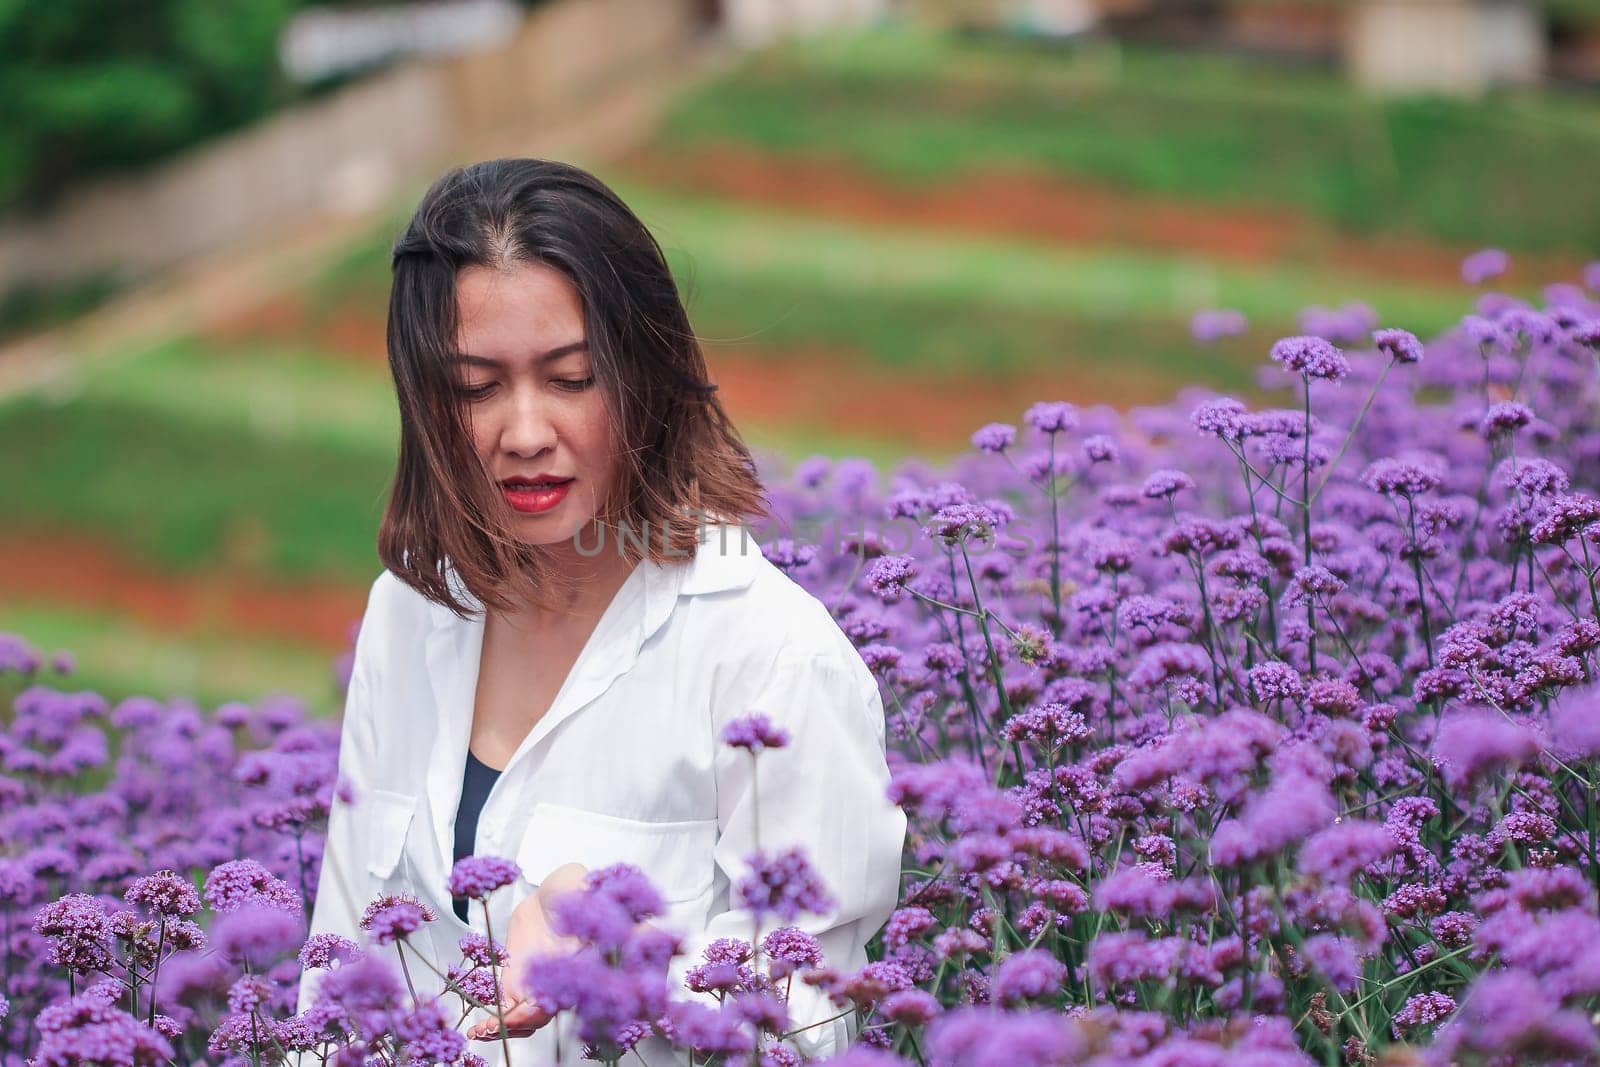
x,y
681,463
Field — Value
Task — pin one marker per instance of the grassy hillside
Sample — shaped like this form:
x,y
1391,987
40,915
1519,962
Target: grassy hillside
x,y
1513,169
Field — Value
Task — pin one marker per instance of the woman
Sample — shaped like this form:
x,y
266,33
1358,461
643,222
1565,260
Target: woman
x,y
573,608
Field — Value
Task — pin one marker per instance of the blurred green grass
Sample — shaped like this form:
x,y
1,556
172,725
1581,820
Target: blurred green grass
x,y
1513,169
945,303
275,391
118,657
179,485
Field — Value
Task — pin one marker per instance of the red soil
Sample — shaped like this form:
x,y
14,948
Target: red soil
x,y
68,569
1021,202
830,390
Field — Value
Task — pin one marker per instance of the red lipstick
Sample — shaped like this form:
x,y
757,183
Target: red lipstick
x,y
534,495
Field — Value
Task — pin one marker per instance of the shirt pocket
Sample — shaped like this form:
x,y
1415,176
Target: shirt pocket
x,y
677,857
389,820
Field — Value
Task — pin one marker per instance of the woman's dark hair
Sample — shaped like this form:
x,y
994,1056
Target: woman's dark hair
x,y
681,460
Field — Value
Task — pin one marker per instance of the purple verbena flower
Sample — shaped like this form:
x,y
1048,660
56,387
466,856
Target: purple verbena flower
x,y
1473,743
234,884
1401,346
1028,975
1313,358
1165,484
784,884
1051,417
165,894
475,877
1216,323
1484,265
392,917
995,437
754,732
887,576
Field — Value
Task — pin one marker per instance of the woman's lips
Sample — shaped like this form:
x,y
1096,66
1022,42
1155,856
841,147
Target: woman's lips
x,y
531,501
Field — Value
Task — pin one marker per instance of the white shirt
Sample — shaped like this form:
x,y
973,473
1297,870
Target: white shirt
x,y
625,766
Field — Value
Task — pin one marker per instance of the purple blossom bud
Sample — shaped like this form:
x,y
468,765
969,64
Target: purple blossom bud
x,y
1100,448
1276,681
754,732
1401,346
1422,1009
1339,852
1591,276
475,877
90,1029
1484,265
1165,484
1402,478
1568,517
888,575
165,894
790,948
237,883
784,884
1216,323
1504,418
988,1037
910,1007
1311,357
1051,417
1028,975
323,950
1334,957
1471,744
391,918
257,935
959,523
78,931
996,437
1224,417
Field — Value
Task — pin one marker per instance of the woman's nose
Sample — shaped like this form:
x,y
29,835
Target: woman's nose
x,y
529,428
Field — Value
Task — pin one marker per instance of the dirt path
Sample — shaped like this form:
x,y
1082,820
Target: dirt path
x,y
838,391
1017,202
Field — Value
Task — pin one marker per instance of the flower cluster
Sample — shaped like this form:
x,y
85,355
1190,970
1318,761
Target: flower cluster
x,y
1223,733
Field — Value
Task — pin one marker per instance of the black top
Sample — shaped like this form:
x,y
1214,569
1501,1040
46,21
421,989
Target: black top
x,y
475,784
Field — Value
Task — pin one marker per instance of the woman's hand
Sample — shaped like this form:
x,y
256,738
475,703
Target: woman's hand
x,y
530,935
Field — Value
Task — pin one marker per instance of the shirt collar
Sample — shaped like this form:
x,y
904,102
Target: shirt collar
x,y
726,558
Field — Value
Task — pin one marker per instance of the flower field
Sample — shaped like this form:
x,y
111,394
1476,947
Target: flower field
x,y
1226,735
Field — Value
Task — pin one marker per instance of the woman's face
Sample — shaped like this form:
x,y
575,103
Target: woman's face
x,y
532,401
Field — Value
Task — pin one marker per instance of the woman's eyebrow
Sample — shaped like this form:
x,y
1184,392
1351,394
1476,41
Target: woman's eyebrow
x,y
555,353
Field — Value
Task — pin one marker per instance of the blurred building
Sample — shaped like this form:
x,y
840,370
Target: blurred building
x,y
1463,46
1053,18
1451,46
756,22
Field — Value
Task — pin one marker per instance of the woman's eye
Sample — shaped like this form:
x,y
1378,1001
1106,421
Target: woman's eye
x,y
575,384
475,392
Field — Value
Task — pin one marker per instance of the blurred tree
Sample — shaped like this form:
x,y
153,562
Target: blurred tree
x,y
95,84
